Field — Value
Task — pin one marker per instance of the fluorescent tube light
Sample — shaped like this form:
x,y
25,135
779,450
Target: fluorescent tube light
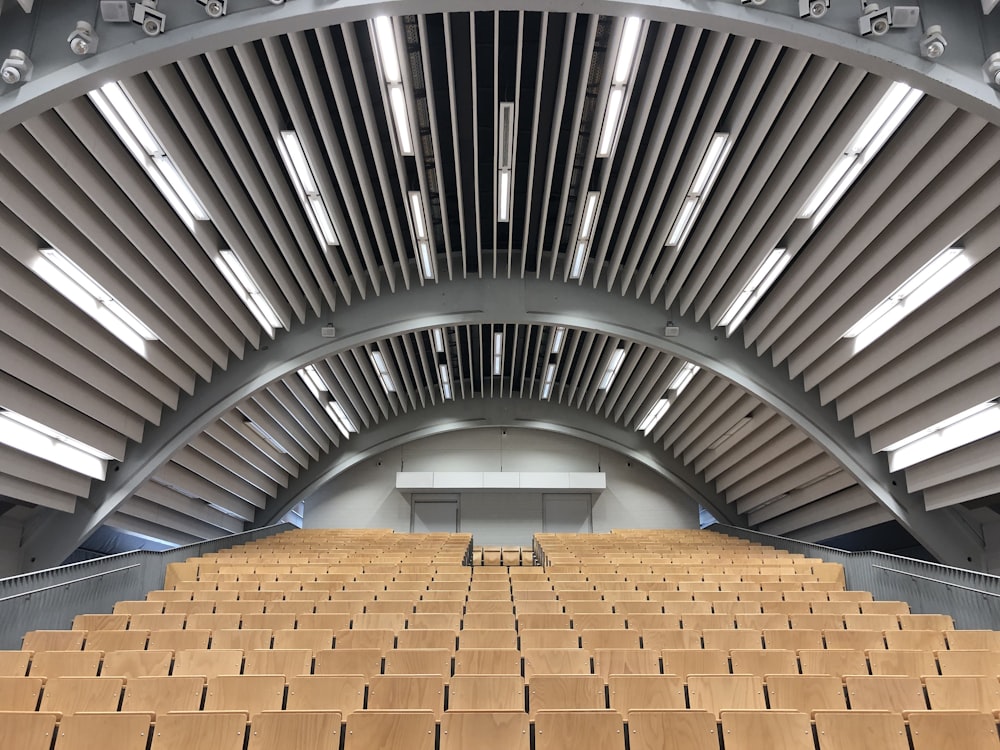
x,y
548,380
27,435
932,277
121,114
612,119
653,416
232,268
614,365
265,436
683,377
417,213
701,185
76,285
579,257
730,433
378,361
426,264
589,215
304,181
313,380
401,119
437,335
340,419
503,196
766,274
445,377
497,353
385,41
878,127
964,428
558,336
627,47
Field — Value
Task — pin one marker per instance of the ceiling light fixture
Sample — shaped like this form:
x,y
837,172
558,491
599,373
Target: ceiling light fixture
x,y
378,362
498,353
313,380
932,277
80,288
653,416
385,43
970,425
303,178
27,435
83,40
264,435
505,160
548,380
122,115
579,257
614,365
445,377
766,274
614,110
683,377
708,171
558,336
890,112
215,8
418,221
438,335
340,419
232,268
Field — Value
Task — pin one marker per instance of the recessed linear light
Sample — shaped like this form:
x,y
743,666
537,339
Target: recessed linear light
x,y
684,376
27,435
558,336
265,435
879,126
340,419
589,215
701,185
497,353
625,59
612,120
968,426
378,362
503,196
579,258
418,221
232,268
122,115
426,263
313,380
505,159
934,276
388,57
548,380
76,285
445,377
614,365
765,275
730,433
624,65
437,334
304,181
653,416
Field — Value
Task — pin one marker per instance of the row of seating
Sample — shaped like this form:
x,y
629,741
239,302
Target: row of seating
x,y
252,694
550,730
509,556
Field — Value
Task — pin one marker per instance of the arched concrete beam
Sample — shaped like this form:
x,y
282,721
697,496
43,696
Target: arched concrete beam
x,y
452,416
482,301
59,76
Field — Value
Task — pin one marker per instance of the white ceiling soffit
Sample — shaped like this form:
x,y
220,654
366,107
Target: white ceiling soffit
x,y
68,182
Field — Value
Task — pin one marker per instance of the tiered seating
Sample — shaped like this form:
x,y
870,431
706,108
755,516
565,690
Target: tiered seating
x,y
330,639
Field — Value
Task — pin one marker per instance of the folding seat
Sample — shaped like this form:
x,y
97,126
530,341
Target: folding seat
x,y
931,730
380,639
609,661
487,607
500,638
70,695
889,693
207,663
243,639
977,663
549,638
27,730
158,695
588,607
137,663
157,622
273,621
250,693
740,609
323,621
627,692
806,693
658,639
116,640
884,608
178,640
49,664
872,622
103,731
818,622
963,693
287,662
594,639
409,692
560,661
857,640
653,622
720,692
99,622
593,621
985,640
433,621
793,640
849,596
474,692
579,730
389,607
137,607
289,608
837,662
200,730
638,607
312,640
684,663
340,607
359,661
390,730
20,693
763,662
911,663
537,622
241,607
564,692
427,638
487,661
418,661
53,640
14,663
757,730
837,608
726,640
926,622
708,622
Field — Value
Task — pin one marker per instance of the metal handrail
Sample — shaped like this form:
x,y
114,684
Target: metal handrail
x,y
935,580
69,583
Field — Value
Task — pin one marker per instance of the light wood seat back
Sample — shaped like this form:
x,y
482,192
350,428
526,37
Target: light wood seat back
x,y
480,692
418,661
482,729
363,661
70,695
208,663
288,662
129,664
390,730
885,693
672,730
964,693
685,662
20,693
628,692
200,730
969,730
65,663
562,661
295,730
765,730
626,661
579,730
565,692
27,730
806,693
717,693
158,695
407,692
